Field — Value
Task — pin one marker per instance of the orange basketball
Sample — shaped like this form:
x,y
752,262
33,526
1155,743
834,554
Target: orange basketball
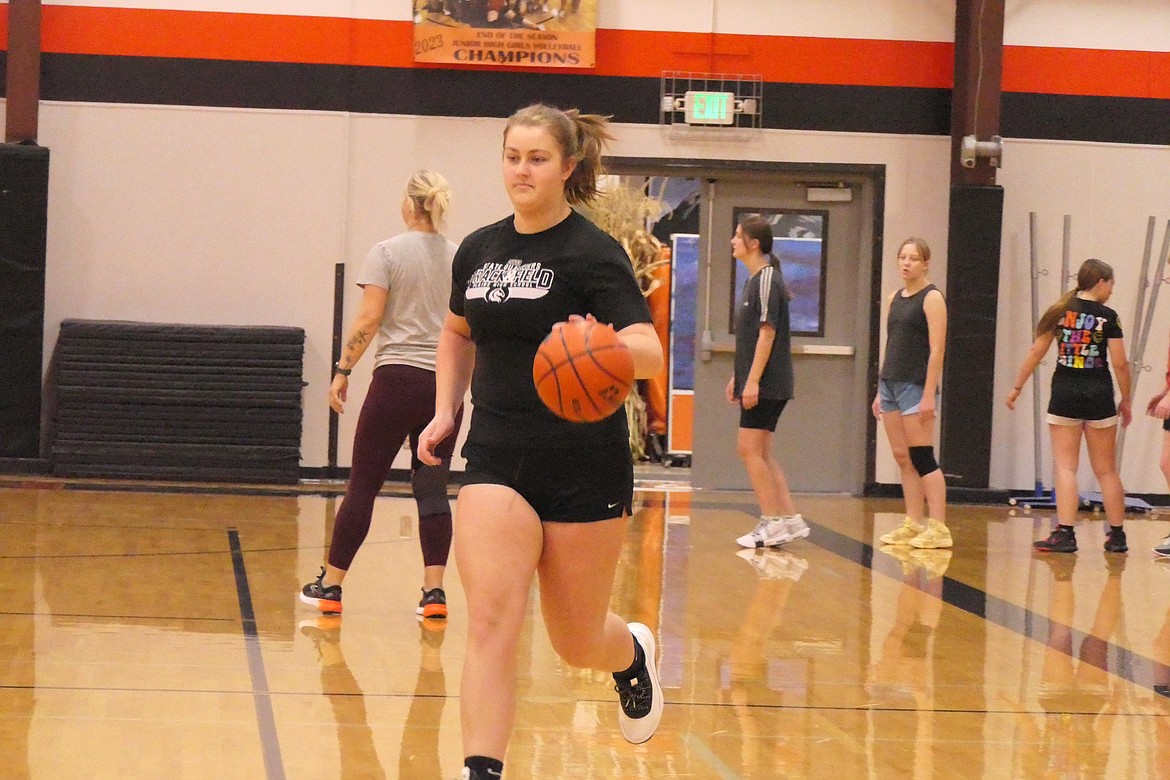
x,y
583,372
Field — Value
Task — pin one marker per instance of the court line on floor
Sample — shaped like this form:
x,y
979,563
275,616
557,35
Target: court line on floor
x,y
1118,661
269,740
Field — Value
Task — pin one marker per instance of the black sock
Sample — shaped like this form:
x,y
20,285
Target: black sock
x,y
1063,527
636,666
483,767
1117,528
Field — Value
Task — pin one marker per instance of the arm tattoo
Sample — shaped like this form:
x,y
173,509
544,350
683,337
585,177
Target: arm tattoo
x,y
357,339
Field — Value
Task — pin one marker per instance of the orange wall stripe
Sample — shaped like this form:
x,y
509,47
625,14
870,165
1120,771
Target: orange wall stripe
x,y
195,34
777,58
623,53
1086,72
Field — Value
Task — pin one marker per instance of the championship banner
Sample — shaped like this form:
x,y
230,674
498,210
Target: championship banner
x,y
520,33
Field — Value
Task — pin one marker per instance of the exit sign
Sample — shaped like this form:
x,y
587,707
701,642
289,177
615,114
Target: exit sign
x,y
709,108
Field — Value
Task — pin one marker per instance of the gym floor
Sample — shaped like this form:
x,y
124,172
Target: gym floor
x,y
151,631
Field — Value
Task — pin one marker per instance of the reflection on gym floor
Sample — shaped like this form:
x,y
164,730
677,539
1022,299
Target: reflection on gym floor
x,y
157,633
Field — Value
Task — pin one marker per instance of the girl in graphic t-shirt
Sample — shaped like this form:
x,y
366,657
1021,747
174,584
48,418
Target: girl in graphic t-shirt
x,y
542,497
1088,338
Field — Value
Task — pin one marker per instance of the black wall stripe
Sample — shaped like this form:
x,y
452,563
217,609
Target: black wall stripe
x,y
1081,118
473,93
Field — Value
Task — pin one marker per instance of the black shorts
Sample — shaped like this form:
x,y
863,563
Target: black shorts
x,y
763,416
1082,400
571,485
1166,424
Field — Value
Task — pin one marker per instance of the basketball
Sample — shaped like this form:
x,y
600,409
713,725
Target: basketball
x,y
583,372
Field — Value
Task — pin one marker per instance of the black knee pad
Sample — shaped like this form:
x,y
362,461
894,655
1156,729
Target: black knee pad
x,y
429,485
923,460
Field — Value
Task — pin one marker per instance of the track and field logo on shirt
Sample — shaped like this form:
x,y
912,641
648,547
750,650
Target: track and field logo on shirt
x,y
498,282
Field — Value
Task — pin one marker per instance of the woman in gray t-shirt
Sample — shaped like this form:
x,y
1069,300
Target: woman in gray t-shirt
x,y
405,281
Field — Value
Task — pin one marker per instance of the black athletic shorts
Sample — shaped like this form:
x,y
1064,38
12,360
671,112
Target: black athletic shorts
x,y
571,485
1082,400
1166,424
763,416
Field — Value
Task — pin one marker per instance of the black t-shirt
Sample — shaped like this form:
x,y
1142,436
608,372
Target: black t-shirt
x,y
1082,384
765,300
1082,343
512,288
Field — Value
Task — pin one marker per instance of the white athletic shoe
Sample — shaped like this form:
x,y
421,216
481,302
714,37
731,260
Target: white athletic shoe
x,y
1163,547
797,528
775,564
641,697
768,533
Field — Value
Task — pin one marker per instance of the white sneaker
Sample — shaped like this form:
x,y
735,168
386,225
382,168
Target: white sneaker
x,y
775,564
768,533
1163,547
641,697
797,528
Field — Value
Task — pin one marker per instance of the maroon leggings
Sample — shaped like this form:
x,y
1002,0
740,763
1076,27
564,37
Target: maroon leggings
x,y
400,403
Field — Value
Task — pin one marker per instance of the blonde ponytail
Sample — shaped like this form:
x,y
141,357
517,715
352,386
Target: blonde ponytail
x,y
431,195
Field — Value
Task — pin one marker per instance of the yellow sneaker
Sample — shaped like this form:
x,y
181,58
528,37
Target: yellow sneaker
x,y
936,535
934,562
903,533
901,553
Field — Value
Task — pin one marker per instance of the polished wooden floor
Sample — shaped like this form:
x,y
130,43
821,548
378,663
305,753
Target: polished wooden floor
x,y
150,633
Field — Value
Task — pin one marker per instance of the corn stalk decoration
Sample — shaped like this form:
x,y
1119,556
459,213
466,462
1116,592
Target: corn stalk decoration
x,y
624,212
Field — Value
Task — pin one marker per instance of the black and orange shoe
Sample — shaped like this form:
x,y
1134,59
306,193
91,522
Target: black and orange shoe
x,y
323,630
326,598
433,604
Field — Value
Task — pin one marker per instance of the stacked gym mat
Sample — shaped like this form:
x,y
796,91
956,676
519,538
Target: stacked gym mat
x,y
177,402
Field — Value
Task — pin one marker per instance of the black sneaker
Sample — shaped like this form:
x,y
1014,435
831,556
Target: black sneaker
x,y
326,598
641,697
433,604
1115,540
471,774
1062,540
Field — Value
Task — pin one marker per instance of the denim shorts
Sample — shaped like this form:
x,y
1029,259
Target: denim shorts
x,y
901,397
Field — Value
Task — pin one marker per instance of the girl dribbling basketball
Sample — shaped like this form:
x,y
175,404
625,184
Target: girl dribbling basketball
x,y
543,496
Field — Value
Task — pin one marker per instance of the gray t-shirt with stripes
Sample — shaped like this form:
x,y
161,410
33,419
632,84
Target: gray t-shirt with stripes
x,y
765,300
